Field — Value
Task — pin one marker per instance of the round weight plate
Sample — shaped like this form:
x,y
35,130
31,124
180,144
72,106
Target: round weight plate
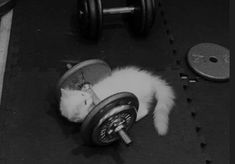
x,y
90,18
101,110
105,132
142,20
6,5
210,60
91,71
83,16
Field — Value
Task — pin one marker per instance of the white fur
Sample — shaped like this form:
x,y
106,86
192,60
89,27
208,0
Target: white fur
x,y
143,84
75,104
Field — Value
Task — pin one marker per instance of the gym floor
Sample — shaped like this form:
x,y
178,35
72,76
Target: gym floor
x,y
43,34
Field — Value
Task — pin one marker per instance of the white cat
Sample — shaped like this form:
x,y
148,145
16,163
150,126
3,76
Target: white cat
x,y
75,104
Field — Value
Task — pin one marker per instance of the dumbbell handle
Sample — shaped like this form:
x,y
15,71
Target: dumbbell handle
x,y
124,137
119,10
88,88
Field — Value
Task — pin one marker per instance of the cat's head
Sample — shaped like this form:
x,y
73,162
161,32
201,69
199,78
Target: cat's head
x,y
75,104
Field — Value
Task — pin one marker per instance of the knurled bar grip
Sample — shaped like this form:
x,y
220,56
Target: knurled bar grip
x,y
119,10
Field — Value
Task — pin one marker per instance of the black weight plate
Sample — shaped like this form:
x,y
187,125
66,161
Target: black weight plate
x,y
6,5
101,109
104,133
83,16
210,60
142,20
90,18
91,71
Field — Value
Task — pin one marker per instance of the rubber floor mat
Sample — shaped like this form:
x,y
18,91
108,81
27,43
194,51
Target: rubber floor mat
x,y
190,23
33,131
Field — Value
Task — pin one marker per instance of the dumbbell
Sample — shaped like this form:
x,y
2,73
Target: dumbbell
x,y
109,119
140,16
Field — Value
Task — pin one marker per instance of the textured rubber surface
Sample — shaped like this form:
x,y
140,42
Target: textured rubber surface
x,y
210,101
32,130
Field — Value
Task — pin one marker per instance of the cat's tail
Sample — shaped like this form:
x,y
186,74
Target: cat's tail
x,y
165,100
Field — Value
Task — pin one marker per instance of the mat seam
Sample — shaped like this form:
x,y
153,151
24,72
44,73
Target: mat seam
x,y
186,82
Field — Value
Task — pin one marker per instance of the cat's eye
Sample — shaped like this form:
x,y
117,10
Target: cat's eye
x,y
85,102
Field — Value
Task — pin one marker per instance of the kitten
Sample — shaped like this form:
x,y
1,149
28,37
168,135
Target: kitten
x,y
75,104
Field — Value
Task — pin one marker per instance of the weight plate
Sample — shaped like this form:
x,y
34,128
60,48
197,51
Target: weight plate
x,y
90,18
6,5
210,60
142,20
91,71
101,110
105,132
83,16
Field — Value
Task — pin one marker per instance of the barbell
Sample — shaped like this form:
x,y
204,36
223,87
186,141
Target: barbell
x,y
110,119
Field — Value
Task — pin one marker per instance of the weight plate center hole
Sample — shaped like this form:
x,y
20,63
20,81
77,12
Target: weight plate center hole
x,y
213,59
